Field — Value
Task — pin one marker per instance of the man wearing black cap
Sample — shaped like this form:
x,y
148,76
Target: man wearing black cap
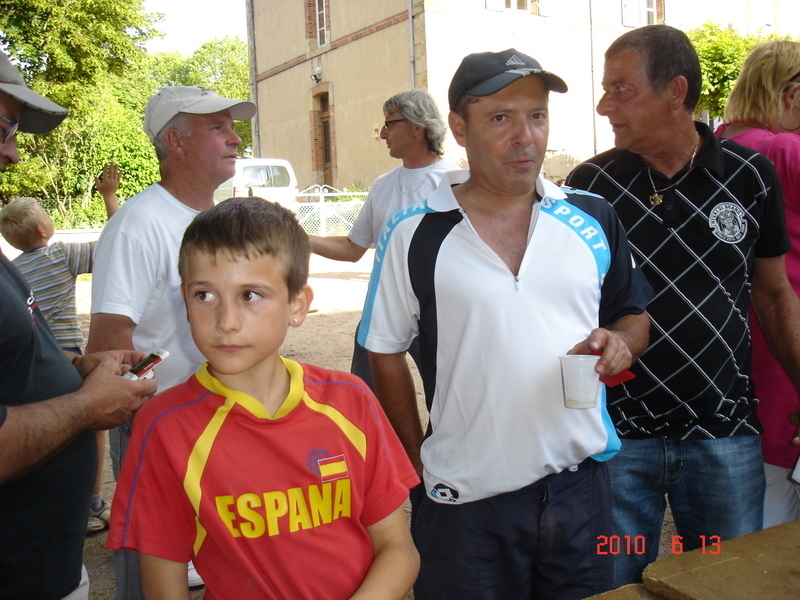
x,y
50,403
500,275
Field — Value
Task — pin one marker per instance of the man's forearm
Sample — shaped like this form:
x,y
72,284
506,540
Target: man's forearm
x,y
33,433
779,318
635,331
110,332
778,310
337,248
397,394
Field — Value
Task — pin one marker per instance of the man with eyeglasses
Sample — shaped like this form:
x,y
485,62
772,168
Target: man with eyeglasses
x,y
9,128
51,401
414,132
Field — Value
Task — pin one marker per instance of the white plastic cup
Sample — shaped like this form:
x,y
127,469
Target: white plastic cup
x,y
581,381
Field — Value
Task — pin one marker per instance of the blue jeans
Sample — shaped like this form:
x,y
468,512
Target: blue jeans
x,y
714,487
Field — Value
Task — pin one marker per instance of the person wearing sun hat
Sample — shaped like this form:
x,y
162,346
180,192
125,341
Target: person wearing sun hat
x,y
37,113
499,272
136,299
51,403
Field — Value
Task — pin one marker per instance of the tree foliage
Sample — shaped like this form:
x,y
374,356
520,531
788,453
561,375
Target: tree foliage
x,y
74,41
87,56
722,52
222,65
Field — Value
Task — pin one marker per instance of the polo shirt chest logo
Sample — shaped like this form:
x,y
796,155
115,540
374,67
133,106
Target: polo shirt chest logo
x,y
728,223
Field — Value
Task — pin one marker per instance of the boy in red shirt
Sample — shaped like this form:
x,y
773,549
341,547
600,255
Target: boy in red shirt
x,y
278,479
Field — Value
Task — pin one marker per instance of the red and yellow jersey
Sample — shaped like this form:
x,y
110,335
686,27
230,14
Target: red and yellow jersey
x,y
266,507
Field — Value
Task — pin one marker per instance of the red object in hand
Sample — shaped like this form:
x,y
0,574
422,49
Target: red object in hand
x,y
613,380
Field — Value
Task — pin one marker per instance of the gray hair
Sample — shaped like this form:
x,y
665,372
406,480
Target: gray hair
x,y
666,52
181,122
419,108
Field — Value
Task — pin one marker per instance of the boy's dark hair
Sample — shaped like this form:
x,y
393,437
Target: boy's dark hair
x,y
666,52
250,227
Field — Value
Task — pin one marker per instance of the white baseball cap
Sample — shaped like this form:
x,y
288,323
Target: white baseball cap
x,y
191,99
37,113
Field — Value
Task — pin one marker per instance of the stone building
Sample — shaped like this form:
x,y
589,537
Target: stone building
x,y
321,69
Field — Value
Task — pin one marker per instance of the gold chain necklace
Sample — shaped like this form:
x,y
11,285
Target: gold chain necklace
x,y
657,198
423,177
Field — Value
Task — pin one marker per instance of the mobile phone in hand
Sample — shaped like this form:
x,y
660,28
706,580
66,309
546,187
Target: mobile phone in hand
x,y
144,370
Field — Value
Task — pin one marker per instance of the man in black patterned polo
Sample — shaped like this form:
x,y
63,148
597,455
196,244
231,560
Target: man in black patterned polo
x,y
704,217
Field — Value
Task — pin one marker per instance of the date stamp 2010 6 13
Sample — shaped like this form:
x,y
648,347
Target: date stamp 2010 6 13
x,y
637,544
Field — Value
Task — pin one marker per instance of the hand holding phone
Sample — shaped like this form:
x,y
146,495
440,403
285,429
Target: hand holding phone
x,y
144,370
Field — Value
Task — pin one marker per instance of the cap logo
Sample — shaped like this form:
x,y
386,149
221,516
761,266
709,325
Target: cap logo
x,y
515,60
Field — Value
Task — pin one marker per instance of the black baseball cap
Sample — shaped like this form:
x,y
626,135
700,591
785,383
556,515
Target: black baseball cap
x,y
37,113
484,73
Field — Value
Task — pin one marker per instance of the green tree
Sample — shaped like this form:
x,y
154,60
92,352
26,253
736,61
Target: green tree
x,y
222,65
721,52
71,51
87,55
73,41
99,128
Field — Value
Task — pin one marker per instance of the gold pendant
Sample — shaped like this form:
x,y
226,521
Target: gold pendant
x,y
656,199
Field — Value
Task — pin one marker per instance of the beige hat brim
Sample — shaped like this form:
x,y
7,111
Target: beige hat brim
x,y
241,110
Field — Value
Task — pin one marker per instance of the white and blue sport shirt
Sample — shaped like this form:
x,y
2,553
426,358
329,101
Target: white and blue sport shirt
x,y
490,340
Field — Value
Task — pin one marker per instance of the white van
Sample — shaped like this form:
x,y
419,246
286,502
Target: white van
x,y
269,178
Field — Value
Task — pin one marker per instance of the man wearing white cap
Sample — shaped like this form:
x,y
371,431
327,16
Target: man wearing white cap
x,y
499,272
136,300
50,403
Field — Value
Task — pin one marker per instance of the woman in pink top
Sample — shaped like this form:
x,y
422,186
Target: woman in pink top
x,y
763,113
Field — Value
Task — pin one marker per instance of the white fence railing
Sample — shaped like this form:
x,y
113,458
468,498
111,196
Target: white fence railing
x,y
324,210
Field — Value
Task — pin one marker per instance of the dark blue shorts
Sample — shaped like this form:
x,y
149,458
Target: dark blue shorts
x,y
539,542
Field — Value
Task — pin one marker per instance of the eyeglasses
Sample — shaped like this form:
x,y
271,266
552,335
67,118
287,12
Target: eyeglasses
x,y
10,131
794,80
387,123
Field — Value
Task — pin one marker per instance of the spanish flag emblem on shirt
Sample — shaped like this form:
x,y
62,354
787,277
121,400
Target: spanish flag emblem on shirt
x,y
332,468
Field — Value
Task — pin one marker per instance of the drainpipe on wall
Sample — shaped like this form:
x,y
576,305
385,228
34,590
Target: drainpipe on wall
x,y
410,42
251,56
591,61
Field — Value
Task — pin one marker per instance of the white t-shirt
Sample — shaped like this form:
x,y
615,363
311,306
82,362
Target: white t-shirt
x,y
136,275
392,191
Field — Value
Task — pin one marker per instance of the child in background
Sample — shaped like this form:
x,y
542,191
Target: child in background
x,y
278,479
51,271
